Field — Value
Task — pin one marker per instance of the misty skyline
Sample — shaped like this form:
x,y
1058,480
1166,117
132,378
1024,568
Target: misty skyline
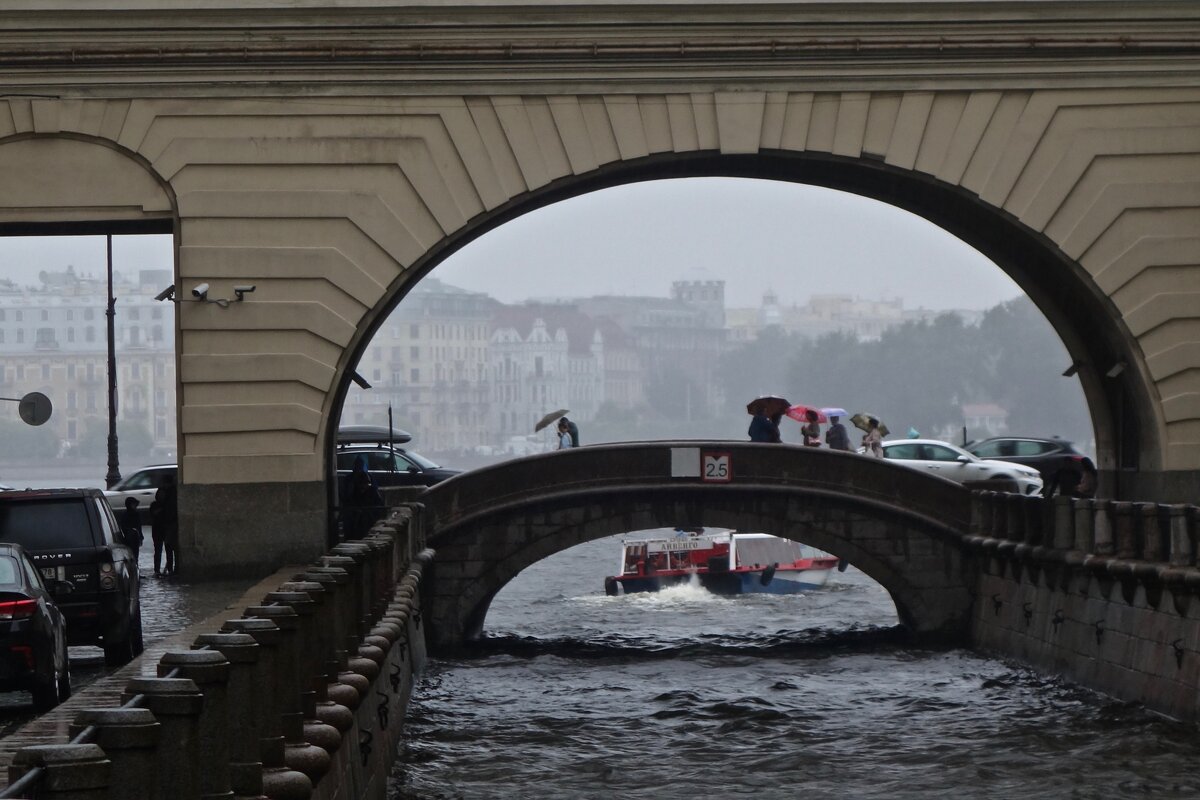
x,y
756,235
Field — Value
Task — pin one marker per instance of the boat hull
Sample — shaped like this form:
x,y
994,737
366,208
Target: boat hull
x,y
780,581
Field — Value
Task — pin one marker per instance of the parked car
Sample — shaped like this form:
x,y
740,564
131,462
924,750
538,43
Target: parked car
x,y
33,639
73,538
1059,463
142,485
948,461
387,462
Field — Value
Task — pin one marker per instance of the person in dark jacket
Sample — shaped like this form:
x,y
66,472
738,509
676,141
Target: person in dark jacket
x,y
164,526
764,428
572,429
836,437
131,525
364,503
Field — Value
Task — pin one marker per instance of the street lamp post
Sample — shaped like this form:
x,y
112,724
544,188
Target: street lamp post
x,y
114,471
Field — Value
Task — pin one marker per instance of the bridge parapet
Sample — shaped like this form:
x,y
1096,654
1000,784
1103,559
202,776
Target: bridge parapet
x,y
1101,591
300,696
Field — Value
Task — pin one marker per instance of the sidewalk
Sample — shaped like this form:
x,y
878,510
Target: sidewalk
x,y
52,727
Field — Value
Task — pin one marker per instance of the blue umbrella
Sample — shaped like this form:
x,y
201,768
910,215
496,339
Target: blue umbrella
x,y
834,412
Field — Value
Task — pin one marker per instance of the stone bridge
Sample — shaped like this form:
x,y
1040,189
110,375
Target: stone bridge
x,y
334,152
901,527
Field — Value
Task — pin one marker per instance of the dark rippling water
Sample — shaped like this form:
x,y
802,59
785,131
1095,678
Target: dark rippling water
x,y
687,695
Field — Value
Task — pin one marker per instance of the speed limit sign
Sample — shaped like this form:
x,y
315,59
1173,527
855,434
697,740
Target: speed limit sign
x,y
716,468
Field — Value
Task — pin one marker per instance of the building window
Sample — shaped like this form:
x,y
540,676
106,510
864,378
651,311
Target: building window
x,y
414,331
87,315
375,376
414,352
537,366
156,313
70,334
135,313
20,335
20,316
69,314
135,370
91,401
414,375
71,400
71,371
71,429
90,334
45,372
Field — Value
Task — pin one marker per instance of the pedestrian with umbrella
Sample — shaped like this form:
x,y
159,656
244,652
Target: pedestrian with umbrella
x,y
836,437
767,412
872,441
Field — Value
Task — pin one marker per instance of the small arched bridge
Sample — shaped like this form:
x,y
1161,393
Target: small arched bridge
x,y
901,527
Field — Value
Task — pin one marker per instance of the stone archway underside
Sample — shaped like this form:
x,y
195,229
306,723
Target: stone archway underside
x,y
921,566
340,155
902,527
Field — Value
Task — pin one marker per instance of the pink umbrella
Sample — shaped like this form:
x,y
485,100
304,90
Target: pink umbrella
x,y
800,413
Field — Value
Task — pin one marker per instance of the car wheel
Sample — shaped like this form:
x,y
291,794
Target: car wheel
x,y
138,643
46,694
64,685
119,653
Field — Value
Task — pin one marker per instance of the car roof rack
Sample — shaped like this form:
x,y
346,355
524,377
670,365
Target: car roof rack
x,y
372,434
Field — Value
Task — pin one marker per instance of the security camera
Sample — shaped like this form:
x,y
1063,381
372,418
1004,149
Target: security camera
x,y
240,291
200,292
166,294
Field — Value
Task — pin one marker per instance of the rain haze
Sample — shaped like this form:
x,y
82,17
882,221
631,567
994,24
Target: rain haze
x,y
755,235
760,239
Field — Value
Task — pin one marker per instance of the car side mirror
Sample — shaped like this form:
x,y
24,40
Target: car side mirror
x,y
413,470
963,459
61,587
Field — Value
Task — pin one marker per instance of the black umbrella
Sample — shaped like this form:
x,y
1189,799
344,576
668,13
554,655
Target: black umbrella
x,y
769,405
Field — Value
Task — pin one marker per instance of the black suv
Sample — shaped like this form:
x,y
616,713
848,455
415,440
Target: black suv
x,y
74,539
1061,465
388,464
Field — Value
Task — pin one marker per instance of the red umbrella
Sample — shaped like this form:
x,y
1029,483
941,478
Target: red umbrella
x,y
768,404
800,412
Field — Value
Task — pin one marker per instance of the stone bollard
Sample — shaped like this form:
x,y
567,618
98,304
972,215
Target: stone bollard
x,y
69,771
209,670
129,737
279,781
1085,526
976,526
1156,538
176,703
1031,520
1102,530
1183,535
245,760
1124,534
1064,522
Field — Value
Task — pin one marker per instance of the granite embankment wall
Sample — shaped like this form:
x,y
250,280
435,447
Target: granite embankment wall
x,y
299,697
1101,592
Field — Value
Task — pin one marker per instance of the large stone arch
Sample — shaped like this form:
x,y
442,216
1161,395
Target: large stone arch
x,y
340,155
901,527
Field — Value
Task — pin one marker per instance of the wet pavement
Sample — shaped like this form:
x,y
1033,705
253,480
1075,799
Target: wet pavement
x,y
170,605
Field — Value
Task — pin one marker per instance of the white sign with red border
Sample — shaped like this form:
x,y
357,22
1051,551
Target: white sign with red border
x,y
716,467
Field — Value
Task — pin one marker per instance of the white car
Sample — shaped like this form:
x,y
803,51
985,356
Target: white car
x,y
141,484
948,461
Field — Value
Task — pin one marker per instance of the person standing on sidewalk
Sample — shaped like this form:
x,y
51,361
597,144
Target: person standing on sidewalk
x,y
164,526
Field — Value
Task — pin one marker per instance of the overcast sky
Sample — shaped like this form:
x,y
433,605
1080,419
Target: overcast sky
x,y
755,235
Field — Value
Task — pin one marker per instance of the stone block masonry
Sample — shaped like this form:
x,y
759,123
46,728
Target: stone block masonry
x,y
1102,593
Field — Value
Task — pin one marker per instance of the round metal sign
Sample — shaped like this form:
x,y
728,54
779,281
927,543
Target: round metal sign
x,y
35,408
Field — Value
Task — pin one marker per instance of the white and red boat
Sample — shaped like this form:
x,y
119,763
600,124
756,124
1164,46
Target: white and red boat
x,y
724,562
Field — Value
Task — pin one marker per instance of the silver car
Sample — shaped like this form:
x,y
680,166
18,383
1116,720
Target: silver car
x,y
948,461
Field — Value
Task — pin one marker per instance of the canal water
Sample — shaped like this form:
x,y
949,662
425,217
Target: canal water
x,y
683,694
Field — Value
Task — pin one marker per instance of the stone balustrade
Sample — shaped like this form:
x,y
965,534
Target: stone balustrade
x,y
1145,541
1099,591
299,697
